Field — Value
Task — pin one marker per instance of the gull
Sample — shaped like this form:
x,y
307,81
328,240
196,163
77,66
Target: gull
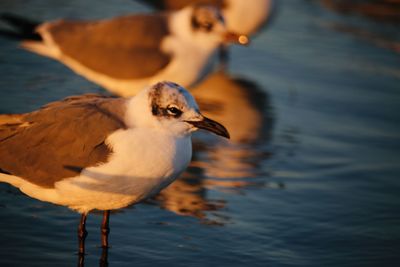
x,y
124,54
93,152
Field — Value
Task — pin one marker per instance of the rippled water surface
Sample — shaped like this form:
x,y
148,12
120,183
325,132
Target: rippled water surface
x,y
310,178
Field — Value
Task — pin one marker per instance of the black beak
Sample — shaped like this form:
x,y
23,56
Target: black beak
x,y
212,126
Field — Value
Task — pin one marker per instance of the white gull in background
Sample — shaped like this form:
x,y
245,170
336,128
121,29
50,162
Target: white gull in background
x,y
94,152
124,54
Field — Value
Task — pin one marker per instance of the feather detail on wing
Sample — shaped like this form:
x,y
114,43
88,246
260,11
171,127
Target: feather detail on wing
x,y
127,47
60,139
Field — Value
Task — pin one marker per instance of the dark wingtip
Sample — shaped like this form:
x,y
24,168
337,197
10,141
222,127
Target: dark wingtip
x,y
23,28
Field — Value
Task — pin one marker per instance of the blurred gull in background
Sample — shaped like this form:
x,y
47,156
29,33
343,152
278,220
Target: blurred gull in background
x,y
124,54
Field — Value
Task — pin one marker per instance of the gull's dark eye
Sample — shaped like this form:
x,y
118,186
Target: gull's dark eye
x,y
208,26
205,18
174,111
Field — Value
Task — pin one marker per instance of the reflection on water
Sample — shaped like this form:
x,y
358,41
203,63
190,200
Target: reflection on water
x,y
382,10
369,36
387,11
103,261
244,109
237,103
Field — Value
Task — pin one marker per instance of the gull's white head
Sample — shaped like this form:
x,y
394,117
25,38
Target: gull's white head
x,y
204,25
169,107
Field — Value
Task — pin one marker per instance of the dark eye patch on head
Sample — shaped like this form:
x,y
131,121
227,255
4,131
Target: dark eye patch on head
x,y
167,112
161,109
205,17
174,111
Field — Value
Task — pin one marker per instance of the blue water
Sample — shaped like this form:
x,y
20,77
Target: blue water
x,y
311,177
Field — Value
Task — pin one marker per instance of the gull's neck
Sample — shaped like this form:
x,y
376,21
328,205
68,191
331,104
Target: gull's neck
x,y
138,111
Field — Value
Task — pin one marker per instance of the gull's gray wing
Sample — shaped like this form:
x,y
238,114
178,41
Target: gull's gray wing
x,y
60,139
125,47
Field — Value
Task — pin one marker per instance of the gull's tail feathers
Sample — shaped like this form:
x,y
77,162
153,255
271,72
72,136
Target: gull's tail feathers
x,y
32,190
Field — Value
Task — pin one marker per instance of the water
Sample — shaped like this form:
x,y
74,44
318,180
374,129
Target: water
x,y
310,179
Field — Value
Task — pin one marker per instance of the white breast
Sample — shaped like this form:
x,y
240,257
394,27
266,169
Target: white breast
x,y
144,162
